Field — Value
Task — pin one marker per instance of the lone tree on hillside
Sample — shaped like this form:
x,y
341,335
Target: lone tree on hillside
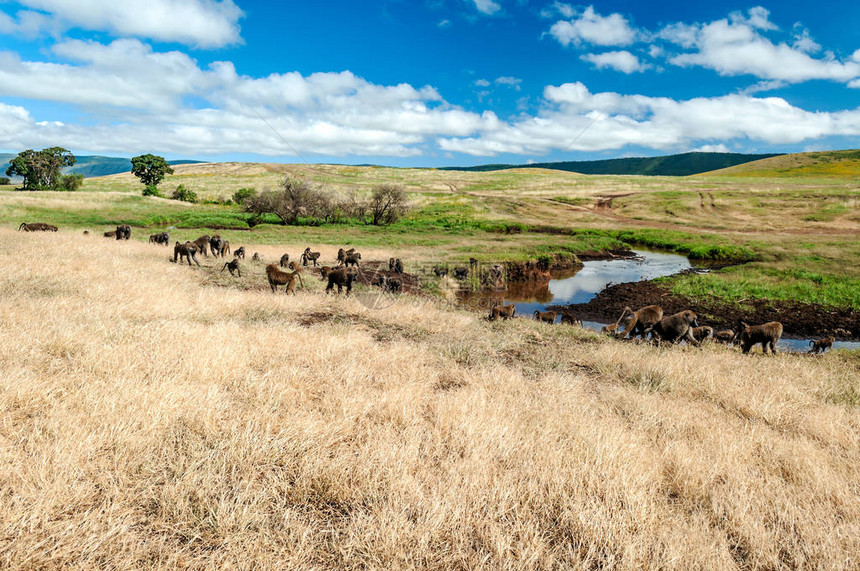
x,y
387,204
40,169
150,169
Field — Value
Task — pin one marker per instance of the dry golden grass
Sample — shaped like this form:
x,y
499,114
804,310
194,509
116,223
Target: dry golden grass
x,y
149,419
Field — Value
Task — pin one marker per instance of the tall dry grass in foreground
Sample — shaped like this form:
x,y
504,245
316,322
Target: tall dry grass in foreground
x,y
149,421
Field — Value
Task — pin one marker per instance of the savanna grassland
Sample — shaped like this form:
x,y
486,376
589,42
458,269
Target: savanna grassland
x,y
158,415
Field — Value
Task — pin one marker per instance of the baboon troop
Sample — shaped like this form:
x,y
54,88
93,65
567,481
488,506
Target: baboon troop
x,y
239,252
162,238
546,316
37,227
340,277
767,334
675,328
123,232
501,310
202,245
395,265
278,277
187,250
233,266
342,254
308,256
285,259
640,320
393,285
822,345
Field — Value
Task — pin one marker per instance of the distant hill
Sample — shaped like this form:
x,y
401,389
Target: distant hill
x,y
671,165
820,163
90,165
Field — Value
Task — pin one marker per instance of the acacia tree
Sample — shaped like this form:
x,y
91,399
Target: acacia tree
x,y
293,199
150,169
40,169
387,204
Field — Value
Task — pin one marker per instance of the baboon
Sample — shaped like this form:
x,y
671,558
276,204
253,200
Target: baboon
x,y
202,244
461,273
285,259
342,254
766,334
440,271
123,232
324,272
86,232
239,252
307,256
160,238
225,248
37,227
398,266
294,265
215,245
110,234
473,263
724,336
352,259
702,333
388,283
822,345
569,319
840,332
641,319
390,264
256,257
187,250
546,316
610,329
340,277
501,310
233,266
675,327
277,277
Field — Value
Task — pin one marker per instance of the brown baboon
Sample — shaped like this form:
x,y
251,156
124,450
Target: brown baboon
x,y
610,329
352,260
278,277
295,266
202,244
440,271
285,259
215,245
341,256
461,273
398,266
766,334
257,257
724,336
702,333
546,316
340,277
473,263
324,272
239,252
37,227
86,232
822,345
387,283
569,319
225,248
641,319
110,234
308,256
160,238
233,266
390,264
123,232
675,327
501,310
187,250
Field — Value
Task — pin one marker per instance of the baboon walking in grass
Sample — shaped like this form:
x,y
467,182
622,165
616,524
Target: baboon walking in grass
x,y
278,277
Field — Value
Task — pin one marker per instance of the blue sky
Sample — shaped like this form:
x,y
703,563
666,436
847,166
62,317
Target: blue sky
x,y
427,83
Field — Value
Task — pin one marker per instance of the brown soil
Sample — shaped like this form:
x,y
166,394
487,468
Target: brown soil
x,y
798,319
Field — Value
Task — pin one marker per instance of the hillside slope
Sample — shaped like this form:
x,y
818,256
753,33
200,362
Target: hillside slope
x,y
823,163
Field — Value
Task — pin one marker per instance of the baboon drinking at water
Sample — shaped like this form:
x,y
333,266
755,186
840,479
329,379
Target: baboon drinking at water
x,y
766,334
340,277
187,250
822,345
502,310
36,227
546,316
640,320
233,266
277,277
675,327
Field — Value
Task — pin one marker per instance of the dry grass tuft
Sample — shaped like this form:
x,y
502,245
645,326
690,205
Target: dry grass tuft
x,y
151,418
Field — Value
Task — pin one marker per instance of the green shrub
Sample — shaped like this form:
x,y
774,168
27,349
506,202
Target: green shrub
x,y
243,194
4,180
184,194
152,190
70,182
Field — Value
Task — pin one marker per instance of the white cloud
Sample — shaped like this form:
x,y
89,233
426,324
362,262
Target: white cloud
x,y
589,27
482,83
486,6
512,82
721,148
622,61
202,23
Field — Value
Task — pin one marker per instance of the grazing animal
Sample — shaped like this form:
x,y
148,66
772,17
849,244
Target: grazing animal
x,y
822,345
278,277
569,319
233,266
37,227
239,252
440,271
675,328
187,250
641,319
285,259
202,244
352,260
123,232
546,316
702,333
110,234
501,310
308,256
766,334
215,245
724,336
461,273
340,277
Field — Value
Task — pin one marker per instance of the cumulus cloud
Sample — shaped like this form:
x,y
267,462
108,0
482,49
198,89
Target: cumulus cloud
x,y
622,61
589,27
512,82
202,23
486,6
